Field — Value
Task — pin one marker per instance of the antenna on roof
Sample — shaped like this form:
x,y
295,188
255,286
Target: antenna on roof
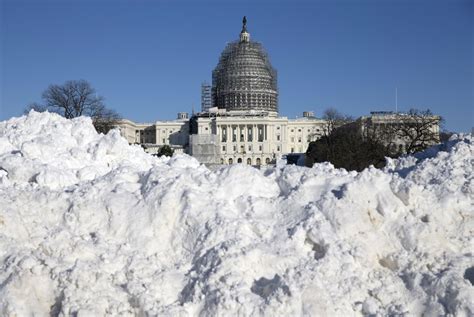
x,y
396,100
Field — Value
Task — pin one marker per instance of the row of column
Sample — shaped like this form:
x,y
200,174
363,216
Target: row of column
x,y
226,132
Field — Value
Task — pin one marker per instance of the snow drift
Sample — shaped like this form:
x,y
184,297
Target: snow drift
x,y
90,225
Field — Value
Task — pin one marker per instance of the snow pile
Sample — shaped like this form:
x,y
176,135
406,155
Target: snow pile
x,y
92,226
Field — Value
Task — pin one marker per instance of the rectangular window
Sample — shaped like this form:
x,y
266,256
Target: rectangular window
x,y
278,148
299,139
223,148
224,135
260,148
250,148
278,137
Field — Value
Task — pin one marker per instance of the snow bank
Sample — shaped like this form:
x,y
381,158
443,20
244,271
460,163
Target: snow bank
x,y
92,226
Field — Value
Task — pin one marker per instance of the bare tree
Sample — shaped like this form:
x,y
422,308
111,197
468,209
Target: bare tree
x,y
105,119
415,130
34,106
420,129
355,145
346,147
334,119
77,98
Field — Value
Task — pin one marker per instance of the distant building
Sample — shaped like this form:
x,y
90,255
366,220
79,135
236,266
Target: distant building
x,y
138,133
401,130
152,136
239,121
206,97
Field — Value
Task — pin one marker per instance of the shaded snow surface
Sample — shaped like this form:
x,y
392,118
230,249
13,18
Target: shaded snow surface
x,y
92,226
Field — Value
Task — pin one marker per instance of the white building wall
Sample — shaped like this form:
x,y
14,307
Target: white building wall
x,y
137,132
174,132
250,140
301,132
256,140
379,122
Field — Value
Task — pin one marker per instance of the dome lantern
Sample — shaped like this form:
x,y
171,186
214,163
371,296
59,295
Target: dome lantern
x,y
244,35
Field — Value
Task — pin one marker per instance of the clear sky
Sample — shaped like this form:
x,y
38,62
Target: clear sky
x,y
148,58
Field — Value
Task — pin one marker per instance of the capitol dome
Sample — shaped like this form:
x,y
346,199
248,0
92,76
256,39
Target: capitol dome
x,y
244,78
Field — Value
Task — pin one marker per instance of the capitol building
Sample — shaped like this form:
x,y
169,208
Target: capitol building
x,y
241,123
239,120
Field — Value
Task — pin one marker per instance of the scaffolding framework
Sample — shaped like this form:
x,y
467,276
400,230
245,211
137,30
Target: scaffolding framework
x,y
206,97
244,78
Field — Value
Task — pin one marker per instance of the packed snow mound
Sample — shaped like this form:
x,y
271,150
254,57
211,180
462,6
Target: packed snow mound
x,y
91,226
54,152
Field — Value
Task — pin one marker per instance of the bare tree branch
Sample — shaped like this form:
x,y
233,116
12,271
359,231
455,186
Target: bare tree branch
x,y
334,119
77,98
34,106
415,130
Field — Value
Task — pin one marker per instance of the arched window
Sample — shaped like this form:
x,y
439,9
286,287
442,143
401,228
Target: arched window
x,y
267,160
231,161
249,161
239,160
258,161
222,161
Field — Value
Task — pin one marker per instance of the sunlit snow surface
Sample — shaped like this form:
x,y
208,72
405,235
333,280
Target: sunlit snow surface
x,y
91,225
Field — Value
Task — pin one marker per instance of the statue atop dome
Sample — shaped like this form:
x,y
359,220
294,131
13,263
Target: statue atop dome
x,y
244,35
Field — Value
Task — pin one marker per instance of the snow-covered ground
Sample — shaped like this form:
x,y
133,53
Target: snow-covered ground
x,y
93,226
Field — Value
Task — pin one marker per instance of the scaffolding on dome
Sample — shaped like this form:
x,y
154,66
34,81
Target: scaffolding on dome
x,y
244,78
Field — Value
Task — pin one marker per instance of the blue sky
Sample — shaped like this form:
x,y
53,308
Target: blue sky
x,y
148,58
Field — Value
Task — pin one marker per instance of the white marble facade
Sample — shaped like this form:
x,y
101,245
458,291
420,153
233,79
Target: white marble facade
x,y
237,137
